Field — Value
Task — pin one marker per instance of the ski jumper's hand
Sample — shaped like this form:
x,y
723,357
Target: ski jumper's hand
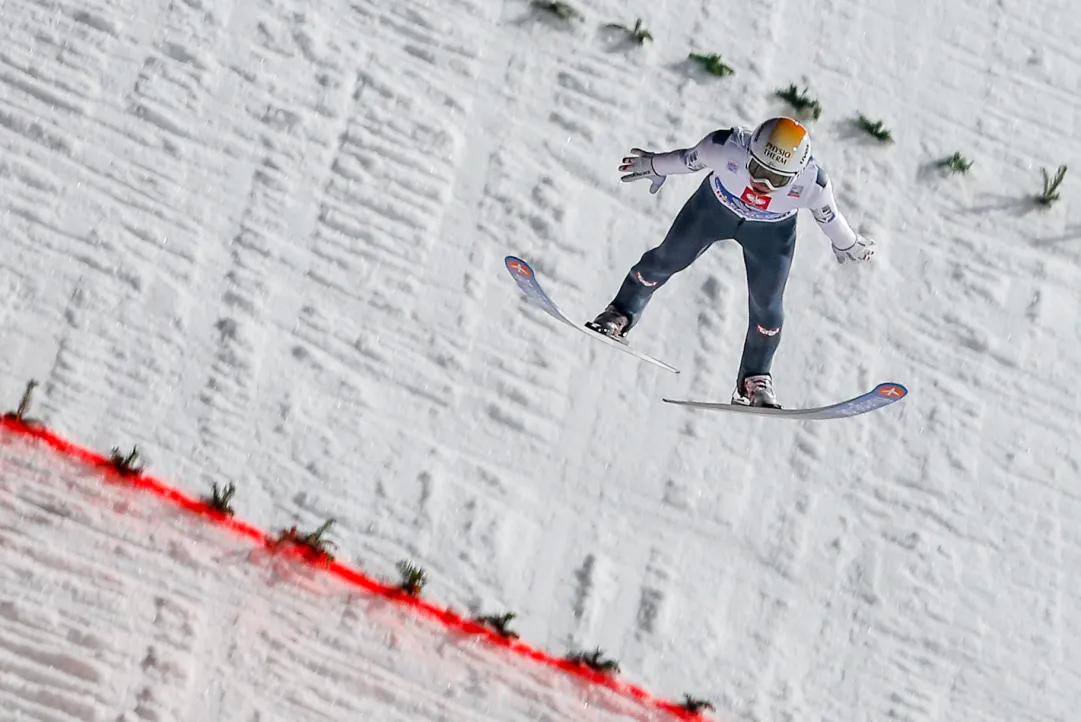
x,y
846,243
862,250
656,167
640,165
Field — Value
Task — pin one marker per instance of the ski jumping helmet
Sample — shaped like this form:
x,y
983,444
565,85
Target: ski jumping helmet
x,y
780,149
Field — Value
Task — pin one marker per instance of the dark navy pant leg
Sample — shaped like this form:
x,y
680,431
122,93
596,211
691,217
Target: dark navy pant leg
x,y
700,222
767,253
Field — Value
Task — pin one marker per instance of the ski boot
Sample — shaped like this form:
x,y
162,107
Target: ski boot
x,y
611,322
756,391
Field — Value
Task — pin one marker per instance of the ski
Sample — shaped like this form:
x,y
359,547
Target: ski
x,y
526,278
880,396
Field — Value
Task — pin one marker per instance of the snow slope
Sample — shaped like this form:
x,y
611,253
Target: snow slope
x,y
120,609
264,242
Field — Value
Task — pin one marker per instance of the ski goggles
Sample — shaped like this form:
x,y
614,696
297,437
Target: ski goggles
x,y
769,178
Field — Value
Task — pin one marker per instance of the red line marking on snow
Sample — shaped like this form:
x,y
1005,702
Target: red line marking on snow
x,y
347,574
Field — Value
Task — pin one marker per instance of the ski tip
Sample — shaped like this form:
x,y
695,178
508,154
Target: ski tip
x,y
890,390
518,267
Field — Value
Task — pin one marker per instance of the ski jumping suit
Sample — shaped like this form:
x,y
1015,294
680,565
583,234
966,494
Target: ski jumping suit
x,y
725,206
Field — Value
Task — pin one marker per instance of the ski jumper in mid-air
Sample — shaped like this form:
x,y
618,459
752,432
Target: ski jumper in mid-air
x,y
759,179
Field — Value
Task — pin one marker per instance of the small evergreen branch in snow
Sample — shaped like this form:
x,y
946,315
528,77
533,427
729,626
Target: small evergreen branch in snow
x,y
24,406
801,101
413,578
499,623
1050,186
694,705
712,64
875,128
560,9
221,498
125,465
638,34
316,548
595,661
956,163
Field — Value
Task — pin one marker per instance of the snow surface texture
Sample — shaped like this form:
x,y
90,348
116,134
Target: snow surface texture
x,y
264,241
211,638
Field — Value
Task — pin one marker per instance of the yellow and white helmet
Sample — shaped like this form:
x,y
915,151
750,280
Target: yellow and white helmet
x,y
780,149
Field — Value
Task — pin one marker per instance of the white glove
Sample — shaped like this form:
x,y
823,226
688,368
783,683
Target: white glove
x,y
639,166
862,250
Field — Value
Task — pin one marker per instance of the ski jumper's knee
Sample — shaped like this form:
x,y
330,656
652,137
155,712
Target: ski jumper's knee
x,y
767,253
700,223
766,315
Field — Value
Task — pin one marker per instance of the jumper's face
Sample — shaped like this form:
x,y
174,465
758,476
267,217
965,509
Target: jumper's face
x,y
765,180
761,188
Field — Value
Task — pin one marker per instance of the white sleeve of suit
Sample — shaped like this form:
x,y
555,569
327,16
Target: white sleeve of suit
x,y
708,153
830,220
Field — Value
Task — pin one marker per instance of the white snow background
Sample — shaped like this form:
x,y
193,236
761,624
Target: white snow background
x,y
263,241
